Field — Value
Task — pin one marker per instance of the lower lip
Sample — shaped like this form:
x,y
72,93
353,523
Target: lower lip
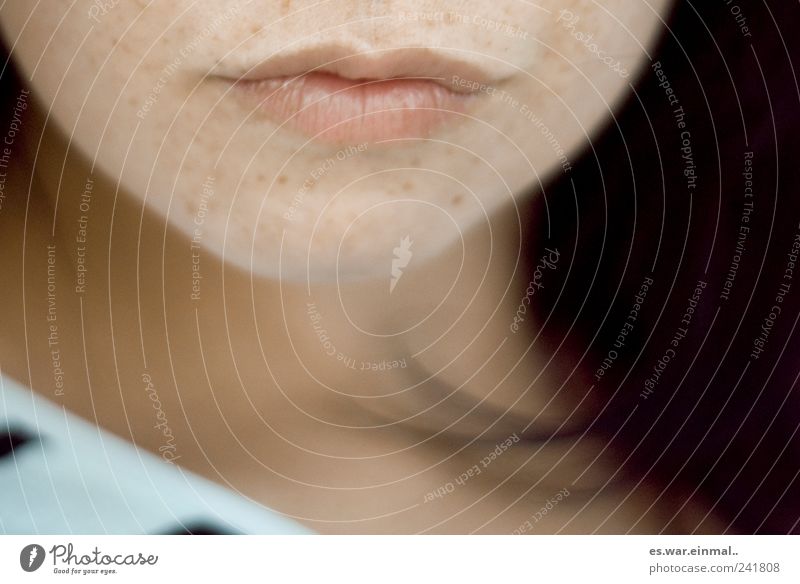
x,y
330,108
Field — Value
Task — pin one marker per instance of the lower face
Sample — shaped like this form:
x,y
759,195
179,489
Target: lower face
x,y
308,140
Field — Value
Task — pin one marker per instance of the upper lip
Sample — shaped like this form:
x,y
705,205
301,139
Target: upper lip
x,y
433,64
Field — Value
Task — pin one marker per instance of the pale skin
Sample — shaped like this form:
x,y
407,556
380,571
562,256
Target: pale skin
x,y
254,396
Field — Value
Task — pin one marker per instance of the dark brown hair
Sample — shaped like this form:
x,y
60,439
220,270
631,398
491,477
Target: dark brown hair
x,y
695,187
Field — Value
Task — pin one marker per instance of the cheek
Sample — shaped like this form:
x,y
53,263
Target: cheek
x,y
90,64
102,66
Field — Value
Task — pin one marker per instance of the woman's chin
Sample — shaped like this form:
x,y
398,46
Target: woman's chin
x,y
293,264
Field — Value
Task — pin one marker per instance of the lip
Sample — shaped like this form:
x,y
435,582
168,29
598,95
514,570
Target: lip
x,y
332,95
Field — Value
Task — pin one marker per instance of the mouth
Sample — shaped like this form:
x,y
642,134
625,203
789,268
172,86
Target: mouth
x,y
333,96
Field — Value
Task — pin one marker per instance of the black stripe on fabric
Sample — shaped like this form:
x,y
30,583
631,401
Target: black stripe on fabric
x,y
12,439
197,528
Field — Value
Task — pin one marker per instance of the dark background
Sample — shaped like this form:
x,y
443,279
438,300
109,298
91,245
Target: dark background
x,y
718,424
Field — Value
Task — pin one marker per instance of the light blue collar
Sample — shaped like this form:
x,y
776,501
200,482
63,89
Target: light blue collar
x,y
75,478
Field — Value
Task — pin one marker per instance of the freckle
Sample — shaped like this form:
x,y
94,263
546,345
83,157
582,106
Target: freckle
x,y
408,185
256,28
285,6
457,198
282,179
415,161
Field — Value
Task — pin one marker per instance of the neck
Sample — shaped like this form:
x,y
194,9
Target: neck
x,y
300,396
